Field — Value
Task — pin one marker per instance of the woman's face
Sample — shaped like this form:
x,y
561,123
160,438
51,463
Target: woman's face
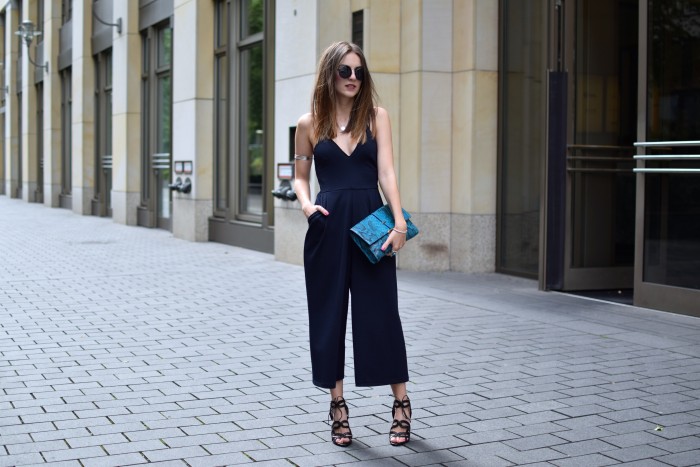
x,y
349,86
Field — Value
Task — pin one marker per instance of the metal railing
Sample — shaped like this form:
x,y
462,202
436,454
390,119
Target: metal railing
x,y
666,157
582,163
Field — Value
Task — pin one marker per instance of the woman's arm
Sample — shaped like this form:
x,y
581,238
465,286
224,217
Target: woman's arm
x,y
387,180
303,151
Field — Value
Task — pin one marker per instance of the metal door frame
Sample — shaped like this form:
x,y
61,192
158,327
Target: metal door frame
x,y
561,163
649,294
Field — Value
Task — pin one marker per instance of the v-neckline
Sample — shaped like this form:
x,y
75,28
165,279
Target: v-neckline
x,y
343,151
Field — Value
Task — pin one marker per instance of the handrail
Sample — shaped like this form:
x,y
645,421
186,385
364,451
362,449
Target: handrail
x,y
651,144
598,146
668,157
664,171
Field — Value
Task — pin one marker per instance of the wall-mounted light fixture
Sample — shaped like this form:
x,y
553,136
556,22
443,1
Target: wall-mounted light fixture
x,y
28,32
118,24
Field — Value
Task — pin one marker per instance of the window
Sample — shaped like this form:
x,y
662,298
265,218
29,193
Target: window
x,y
66,127
239,94
243,123
157,125
103,132
66,11
358,27
250,110
221,104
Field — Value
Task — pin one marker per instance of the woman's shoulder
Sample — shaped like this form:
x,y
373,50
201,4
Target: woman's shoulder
x,y
381,117
306,120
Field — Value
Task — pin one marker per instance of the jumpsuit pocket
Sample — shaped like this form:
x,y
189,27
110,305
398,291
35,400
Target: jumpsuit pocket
x,y
316,230
313,216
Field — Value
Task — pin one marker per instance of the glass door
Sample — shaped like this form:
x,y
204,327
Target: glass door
x,y
102,204
598,44
667,260
156,197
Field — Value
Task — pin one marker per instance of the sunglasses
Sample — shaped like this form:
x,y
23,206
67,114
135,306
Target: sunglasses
x,y
344,71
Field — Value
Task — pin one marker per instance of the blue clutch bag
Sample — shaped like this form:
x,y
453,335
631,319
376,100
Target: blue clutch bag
x,y
372,231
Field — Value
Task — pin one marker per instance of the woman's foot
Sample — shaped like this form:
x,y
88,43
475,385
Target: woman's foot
x,y
340,428
400,433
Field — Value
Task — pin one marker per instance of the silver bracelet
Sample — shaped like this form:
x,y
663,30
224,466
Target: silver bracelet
x,y
303,158
399,231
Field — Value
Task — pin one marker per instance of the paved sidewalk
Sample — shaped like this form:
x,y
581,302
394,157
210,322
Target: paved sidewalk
x,y
123,345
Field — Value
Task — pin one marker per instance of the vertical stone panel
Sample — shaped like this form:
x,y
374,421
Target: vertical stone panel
x,y
83,106
52,105
11,142
126,114
383,49
436,142
484,146
463,121
463,32
30,162
334,23
409,134
437,35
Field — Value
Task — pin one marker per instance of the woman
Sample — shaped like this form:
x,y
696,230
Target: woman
x,y
349,138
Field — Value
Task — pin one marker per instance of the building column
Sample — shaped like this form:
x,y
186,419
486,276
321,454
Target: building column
x,y
52,105
474,136
83,109
3,102
12,105
193,116
126,114
30,162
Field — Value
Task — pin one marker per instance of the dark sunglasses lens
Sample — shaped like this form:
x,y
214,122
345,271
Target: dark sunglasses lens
x,y
359,73
344,71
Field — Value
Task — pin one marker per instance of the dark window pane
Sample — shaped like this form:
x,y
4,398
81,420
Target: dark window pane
x,y
358,27
672,200
522,138
251,17
251,156
221,141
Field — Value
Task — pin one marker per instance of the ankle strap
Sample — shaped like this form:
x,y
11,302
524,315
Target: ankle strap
x,y
338,404
403,404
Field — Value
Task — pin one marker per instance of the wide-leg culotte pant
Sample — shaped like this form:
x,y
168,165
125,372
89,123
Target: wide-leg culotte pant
x,y
335,268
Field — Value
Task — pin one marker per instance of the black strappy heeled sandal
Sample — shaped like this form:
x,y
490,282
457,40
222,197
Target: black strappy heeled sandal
x,y
338,404
399,438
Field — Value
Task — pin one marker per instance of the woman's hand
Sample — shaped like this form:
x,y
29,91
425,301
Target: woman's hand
x,y
309,209
396,239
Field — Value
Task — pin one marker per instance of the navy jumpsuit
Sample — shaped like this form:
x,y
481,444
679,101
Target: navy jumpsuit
x,y
334,266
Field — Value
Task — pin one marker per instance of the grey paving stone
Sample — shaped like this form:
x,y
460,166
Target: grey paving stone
x,y
218,460
75,453
632,439
686,458
584,448
114,461
33,458
174,453
134,446
635,453
590,460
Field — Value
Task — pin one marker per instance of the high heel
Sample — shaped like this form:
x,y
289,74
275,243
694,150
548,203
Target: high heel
x,y
399,438
338,404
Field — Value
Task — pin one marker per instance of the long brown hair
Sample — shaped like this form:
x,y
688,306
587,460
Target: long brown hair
x,y
362,113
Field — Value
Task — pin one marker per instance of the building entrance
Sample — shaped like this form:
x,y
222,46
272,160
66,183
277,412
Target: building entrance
x,y
667,261
156,198
590,184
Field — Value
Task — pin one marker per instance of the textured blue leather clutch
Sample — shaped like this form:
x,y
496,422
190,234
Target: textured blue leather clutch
x,y
372,231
